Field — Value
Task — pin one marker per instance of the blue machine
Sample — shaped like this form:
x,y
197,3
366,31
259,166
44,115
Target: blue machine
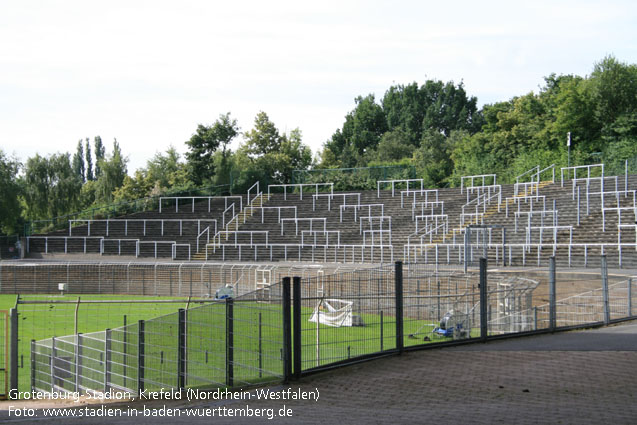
x,y
447,325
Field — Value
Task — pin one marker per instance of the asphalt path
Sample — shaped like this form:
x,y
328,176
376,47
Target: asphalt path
x,y
576,377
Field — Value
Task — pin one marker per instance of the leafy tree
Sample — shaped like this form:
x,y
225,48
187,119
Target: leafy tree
x,y
89,162
100,152
113,173
78,162
292,155
615,89
133,188
51,187
361,132
433,157
164,169
9,192
264,138
268,156
204,143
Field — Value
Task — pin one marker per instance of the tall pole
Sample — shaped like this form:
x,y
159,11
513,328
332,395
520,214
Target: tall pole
x,y
568,145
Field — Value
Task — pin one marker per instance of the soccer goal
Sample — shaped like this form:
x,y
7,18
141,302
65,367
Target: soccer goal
x,y
333,312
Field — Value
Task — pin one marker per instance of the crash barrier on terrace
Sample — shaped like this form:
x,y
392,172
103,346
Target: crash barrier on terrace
x,y
296,326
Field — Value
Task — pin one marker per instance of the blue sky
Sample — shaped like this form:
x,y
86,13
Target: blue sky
x,y
147,72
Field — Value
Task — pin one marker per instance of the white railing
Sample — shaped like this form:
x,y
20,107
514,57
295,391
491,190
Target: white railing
x,y
381,219
251,189
65,238
217,240
588,169
473,218
446,250
369,207
278,209
103,242
618,209
144,221
626,226
431,205
380,239
432,219
300,186
421,192
193,198
542,171
553,229
331,196
223,217
357,252
530,200
528,187
310,220
533,172
207,232
484,177
487,190
530,214
325,233
393,183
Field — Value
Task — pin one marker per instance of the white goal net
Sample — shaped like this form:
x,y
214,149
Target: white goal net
x,y
333,312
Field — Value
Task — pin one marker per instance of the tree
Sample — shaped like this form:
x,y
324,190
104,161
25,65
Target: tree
x,y
204,143
114,171
264,138
51,186
78,162
9,192
268,156
89,162
393,146
293,155
165,169
100,152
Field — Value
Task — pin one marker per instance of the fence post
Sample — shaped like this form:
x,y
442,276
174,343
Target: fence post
x,y
504,246
287,331
107,359
552,305
467,235
33,365
140,357
181,349
605,290
229,342
52,365
484,324
630,296
13,349
78,362
398,276
296,320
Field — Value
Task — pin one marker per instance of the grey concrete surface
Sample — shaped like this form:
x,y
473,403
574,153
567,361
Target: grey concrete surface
x,y
583,377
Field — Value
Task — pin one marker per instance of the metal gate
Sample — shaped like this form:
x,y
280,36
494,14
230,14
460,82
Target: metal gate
x,y
4,354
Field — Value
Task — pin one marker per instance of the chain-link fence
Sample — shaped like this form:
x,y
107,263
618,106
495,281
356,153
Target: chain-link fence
x,y
188,279
283,330
232,343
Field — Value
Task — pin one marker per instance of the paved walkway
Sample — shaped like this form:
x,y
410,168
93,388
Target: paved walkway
x,y
586,377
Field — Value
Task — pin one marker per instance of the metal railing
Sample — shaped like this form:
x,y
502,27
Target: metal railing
x,y
300,186
380,183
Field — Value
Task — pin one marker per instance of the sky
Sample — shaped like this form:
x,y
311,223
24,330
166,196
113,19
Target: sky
x,y
148,72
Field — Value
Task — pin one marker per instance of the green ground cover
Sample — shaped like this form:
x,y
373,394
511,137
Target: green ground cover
x,y
257,345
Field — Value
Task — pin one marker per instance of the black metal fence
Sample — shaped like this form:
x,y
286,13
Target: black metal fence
x,y
300,325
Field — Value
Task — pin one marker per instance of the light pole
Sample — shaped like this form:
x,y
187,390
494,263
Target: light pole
x,y
568,145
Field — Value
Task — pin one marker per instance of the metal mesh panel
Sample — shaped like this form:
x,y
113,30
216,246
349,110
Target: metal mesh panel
x,y
373,329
